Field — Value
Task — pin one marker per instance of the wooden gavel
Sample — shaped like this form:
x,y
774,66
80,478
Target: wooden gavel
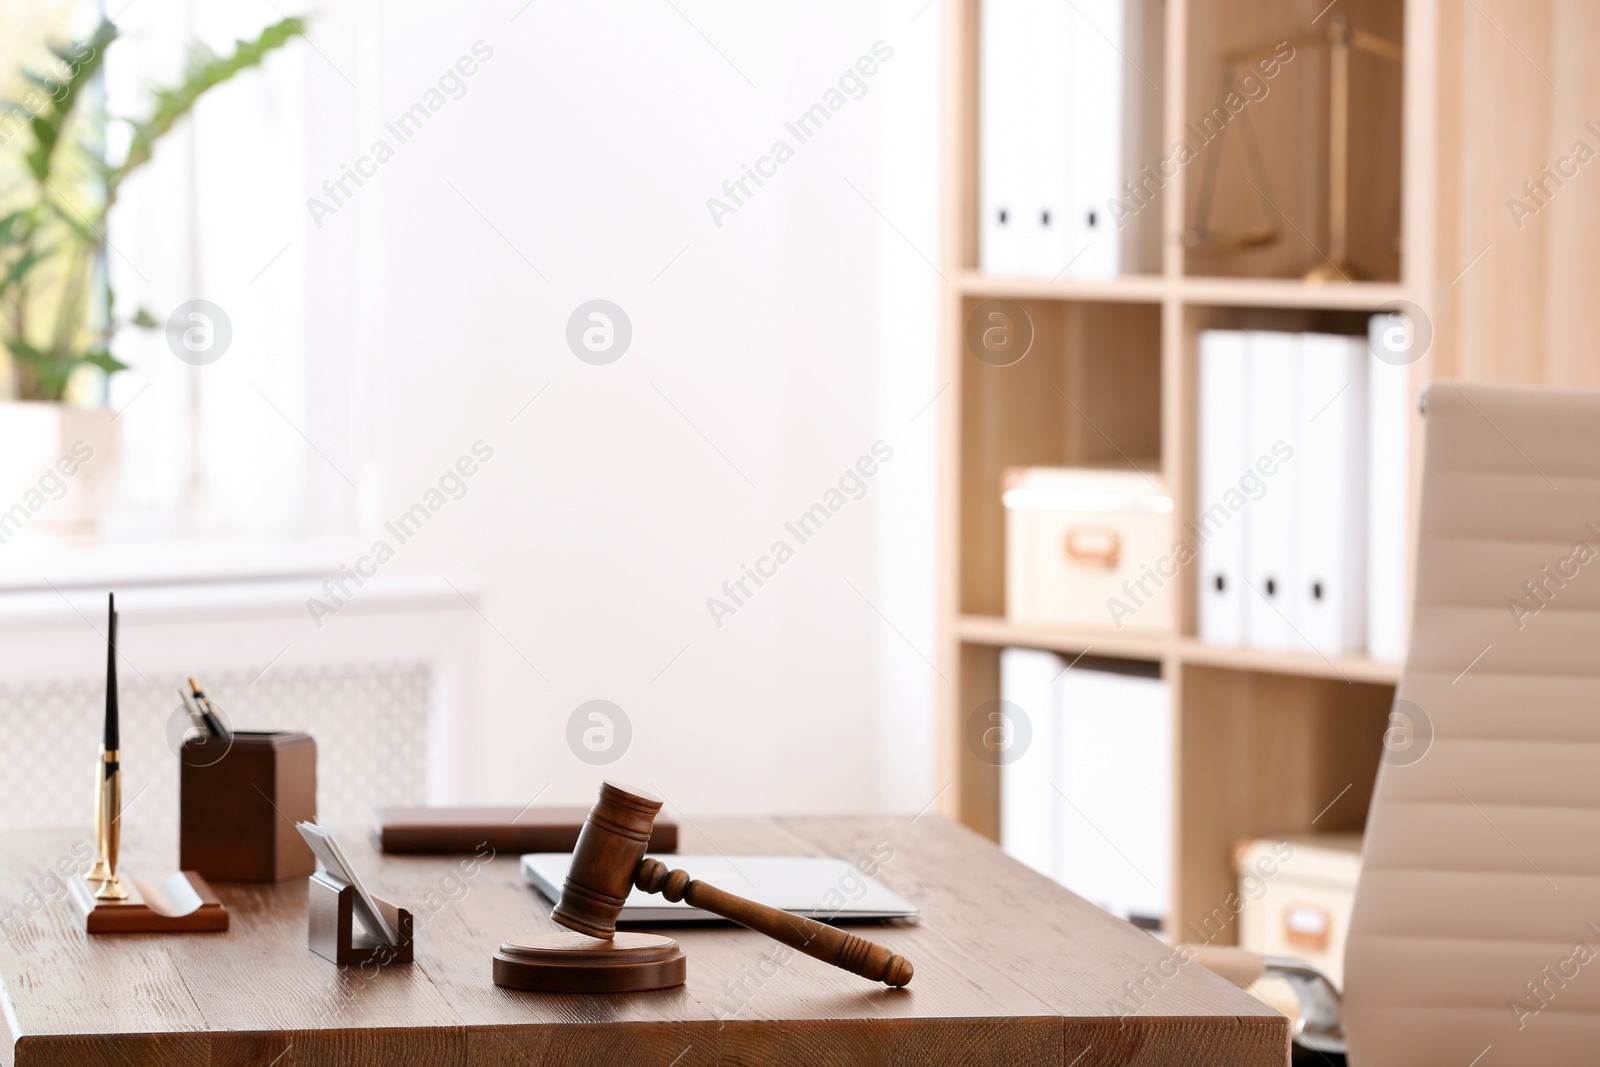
x,y
609,861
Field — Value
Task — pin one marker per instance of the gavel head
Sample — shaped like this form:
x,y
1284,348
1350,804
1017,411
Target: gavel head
x,y
610,845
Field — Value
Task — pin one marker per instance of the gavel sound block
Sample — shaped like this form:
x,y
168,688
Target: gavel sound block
x,y
608,862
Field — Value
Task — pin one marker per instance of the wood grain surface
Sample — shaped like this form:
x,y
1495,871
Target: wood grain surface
x,y
1011,969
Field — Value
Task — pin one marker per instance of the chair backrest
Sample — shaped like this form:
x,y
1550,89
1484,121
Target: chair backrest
x,y
1476,932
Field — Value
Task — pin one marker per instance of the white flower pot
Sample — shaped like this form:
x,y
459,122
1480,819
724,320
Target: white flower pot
x,y
58,469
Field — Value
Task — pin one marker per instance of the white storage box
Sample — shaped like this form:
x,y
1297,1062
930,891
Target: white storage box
x,y
1296,894
1090,547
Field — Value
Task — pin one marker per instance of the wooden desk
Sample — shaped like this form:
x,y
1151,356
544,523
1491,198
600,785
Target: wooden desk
x,y
1011,969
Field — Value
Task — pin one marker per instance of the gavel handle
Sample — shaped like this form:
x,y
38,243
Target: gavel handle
x,y
818,940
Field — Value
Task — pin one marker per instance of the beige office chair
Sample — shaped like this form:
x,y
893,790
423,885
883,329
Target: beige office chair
x,y
1476,933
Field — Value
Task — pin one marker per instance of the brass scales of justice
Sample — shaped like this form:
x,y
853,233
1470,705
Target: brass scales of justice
x,y
1340,39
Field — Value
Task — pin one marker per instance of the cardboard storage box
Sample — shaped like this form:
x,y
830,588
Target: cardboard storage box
x,y
1296,896
1089,547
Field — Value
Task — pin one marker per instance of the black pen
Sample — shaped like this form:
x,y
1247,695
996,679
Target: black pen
x,y
197,718
108,785
214,725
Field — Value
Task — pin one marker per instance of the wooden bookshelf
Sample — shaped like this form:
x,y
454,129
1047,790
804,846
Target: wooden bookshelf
x,y
1264,743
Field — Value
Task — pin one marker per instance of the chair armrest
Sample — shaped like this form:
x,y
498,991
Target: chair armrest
x,y
1321,1007
1238,965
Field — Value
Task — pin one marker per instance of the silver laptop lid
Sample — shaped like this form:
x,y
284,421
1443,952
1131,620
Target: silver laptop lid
x,y
813,886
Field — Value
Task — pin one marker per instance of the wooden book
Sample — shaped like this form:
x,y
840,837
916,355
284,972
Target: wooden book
x,y
506,830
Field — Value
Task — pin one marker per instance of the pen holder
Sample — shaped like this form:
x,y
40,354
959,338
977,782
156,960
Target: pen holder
x,y
237,807
331,928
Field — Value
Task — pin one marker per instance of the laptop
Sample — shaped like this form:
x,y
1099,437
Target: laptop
x,y
812,886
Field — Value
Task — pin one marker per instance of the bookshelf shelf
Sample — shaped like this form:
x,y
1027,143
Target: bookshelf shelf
x,y
1264,742
1001,633
1350,669
1289,293
1213,292
1154,647
1131,288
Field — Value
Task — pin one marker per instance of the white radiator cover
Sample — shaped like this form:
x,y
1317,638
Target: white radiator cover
x,y
370,722
386,686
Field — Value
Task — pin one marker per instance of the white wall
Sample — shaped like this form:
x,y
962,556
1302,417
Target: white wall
x,y
788,340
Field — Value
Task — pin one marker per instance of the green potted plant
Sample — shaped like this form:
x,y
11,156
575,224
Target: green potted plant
x,y
58,457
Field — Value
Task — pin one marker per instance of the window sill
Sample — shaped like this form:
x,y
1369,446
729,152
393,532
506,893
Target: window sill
x,y
40,564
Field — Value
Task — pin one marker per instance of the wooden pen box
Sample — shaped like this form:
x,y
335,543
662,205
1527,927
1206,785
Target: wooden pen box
x,y
237,810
